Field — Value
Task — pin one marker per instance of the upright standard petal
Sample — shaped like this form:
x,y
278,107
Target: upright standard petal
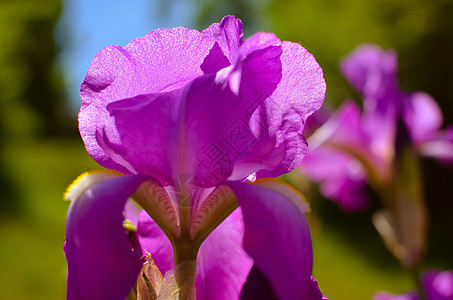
x,y
217,110
102,263
278,239
202,129
228,35
162,61
282,116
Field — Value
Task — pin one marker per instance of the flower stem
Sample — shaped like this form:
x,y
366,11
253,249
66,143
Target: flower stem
x,y
185,268
185,254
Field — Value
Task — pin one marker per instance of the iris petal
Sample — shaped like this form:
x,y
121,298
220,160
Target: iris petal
x,y
101,261
155,128
282,116
162,61
223,265
278,239
217,119
147,125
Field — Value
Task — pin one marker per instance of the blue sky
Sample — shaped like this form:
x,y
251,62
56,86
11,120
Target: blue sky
x,y
87,26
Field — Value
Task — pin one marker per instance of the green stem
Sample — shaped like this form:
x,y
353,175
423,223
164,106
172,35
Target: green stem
x,y
185,251
185,279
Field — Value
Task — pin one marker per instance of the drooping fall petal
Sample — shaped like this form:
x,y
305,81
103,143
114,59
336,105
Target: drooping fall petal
x,y
223,265
102,264
278,239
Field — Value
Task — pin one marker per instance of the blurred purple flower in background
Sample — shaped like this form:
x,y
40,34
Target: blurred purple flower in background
x,y
194,118
436,285
380,146
354,148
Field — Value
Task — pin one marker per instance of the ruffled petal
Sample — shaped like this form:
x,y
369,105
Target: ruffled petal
x,y
217,110
101,261
203,129
223,265
162,61
228,34
278,239
282,116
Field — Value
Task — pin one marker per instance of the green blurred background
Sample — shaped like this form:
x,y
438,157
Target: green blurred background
x,y
41,151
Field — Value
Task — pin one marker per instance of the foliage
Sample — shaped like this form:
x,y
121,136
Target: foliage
x,y
32,91
420,31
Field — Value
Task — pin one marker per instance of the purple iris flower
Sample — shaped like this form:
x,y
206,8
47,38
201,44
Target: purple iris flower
x,y
194,120
436,285
355,147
